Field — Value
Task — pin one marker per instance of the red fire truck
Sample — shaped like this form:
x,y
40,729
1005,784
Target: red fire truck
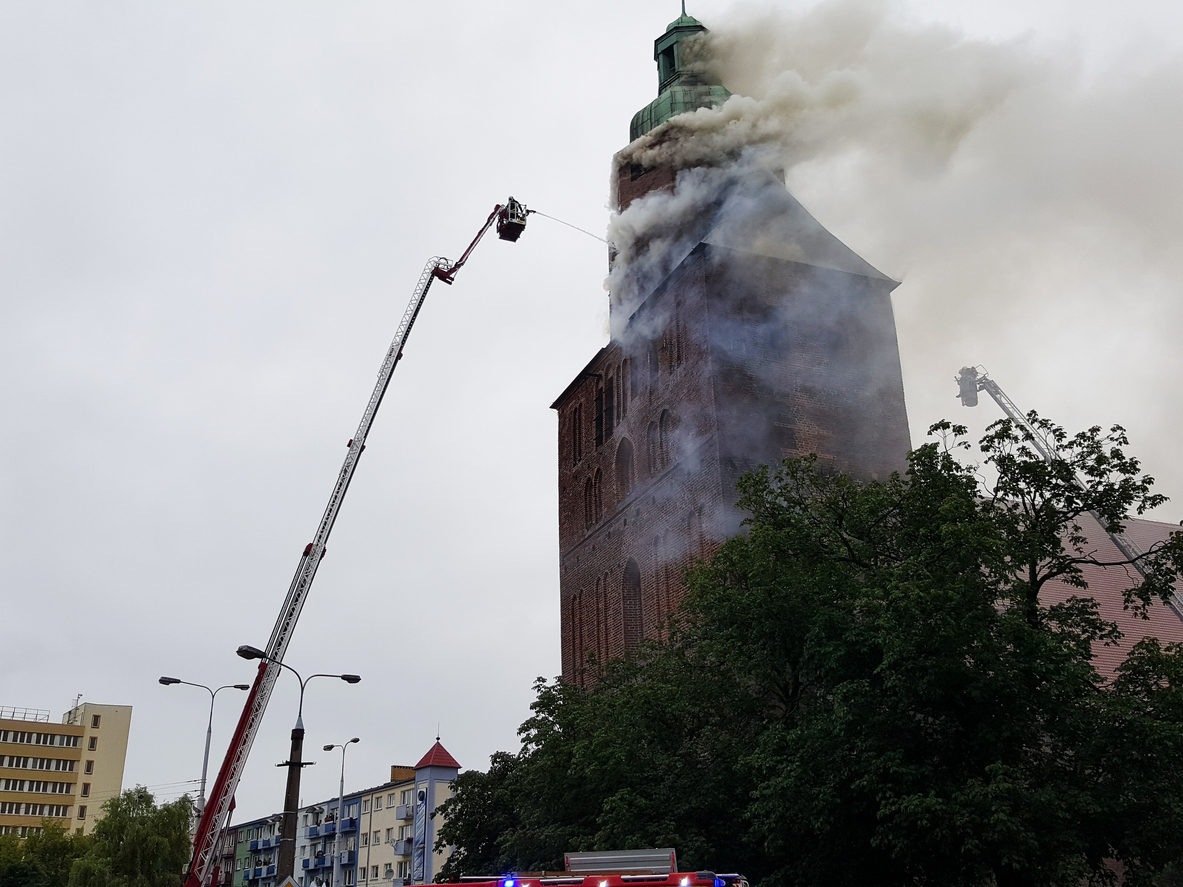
x,y
614,868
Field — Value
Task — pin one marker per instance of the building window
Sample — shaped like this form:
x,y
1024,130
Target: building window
x,y
632,616
92,744
624,467
665,430
598,495
89,767
405,796
374,871
622,391
365,839
86,789
610,403
589,510
389,835
94,721
377,837
82,811
576,434
365,806
599,408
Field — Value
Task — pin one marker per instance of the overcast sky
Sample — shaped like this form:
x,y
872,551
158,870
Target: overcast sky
x,y
212,216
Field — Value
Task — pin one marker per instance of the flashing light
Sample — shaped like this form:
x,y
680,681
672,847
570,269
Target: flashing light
x,y
508,882
719,882
685,882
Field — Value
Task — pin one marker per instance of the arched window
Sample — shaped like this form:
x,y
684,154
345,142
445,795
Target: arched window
x,y
598,496
576,434
665,430
589,504
651,449
624,467
578,655
622,389
695,534
633,616
602,621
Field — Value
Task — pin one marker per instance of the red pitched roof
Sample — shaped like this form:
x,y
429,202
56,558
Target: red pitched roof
x,y
1107,585
437,756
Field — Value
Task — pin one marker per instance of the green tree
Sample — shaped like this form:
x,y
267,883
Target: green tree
x,y
474,819
42,859
137,843
866,687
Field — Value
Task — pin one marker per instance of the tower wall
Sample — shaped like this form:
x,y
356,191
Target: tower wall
x,y
743,332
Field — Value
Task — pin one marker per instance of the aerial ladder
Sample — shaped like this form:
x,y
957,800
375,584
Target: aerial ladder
x,y
509,219
970,381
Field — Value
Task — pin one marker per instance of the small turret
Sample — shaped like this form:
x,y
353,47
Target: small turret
x,y
681,86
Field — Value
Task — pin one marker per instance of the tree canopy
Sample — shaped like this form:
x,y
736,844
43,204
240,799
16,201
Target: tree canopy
x,y
867,687
137,843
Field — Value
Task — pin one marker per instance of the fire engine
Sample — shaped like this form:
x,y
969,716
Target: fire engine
x,y
614,868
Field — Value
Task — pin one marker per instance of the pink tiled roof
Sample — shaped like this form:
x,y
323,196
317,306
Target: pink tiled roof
x,y
437,756
1106,586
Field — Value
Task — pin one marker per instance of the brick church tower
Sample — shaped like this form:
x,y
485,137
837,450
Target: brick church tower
x,y
742,332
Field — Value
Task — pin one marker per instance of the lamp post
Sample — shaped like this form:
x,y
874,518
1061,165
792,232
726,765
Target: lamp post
x,y
286,863
167,681
340,811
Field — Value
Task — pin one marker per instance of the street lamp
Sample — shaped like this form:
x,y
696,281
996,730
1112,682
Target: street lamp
x,y
167,681
340,811
295,763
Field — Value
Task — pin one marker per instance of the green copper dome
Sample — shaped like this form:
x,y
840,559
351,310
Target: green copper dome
x,y
679,89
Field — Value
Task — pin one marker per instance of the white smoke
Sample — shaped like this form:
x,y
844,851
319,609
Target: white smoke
x,y
1031,209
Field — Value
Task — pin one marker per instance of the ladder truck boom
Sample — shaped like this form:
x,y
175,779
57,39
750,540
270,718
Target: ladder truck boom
x,y
510,221
970,381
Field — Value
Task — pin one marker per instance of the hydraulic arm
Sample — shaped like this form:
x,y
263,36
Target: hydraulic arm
x,y
510,219
970,381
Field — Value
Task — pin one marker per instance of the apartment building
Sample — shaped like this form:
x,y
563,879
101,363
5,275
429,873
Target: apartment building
x,y
60,772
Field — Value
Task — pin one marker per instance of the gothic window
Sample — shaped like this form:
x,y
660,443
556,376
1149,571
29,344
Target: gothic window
x,y
696,537
631,606
665,430
601,620
598,496
576,434
624,467
610,403
599,415
622,390
577,653
589,504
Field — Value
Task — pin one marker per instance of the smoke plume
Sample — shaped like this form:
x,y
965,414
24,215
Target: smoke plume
x,y
1030,206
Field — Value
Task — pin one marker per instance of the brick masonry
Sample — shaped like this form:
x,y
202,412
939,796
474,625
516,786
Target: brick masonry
x,y
735,360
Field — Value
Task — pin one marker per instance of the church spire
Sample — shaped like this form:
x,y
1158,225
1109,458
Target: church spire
x,y
681,86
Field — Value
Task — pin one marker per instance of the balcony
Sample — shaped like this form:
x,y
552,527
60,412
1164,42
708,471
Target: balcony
x,y
404,811
348,857
314,831
317,862
403,847
259,871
